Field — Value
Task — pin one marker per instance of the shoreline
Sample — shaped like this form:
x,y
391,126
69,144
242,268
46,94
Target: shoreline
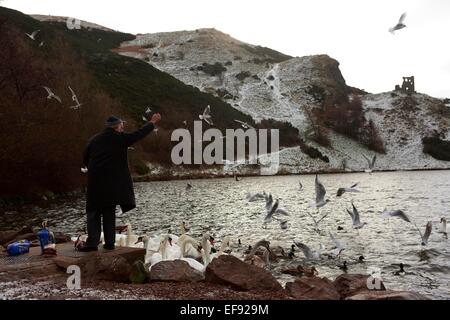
x,y
46,278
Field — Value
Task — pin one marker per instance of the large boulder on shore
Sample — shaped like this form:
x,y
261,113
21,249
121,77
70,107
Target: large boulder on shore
x,y
312,288
138,273
388,295
176,270
96,266
351,284
229,270
10,235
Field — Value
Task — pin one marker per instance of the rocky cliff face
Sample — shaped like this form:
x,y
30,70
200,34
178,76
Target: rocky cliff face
x,y
264,83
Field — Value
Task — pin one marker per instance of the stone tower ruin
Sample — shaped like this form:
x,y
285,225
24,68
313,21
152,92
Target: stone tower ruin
x,y
407,86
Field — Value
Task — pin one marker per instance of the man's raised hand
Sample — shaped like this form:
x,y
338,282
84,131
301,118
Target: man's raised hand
x,y
155,118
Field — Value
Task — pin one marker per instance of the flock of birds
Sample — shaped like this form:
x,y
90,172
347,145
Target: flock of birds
x,y
198,253
52,95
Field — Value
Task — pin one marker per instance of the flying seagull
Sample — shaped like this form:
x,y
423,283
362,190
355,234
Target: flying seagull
x,y
355,218
371,163
307,251
206,116
316,222
396,213
274,210
269,202
75,99
32,36
399,25
188,186
300,185
254,197
320,195
427,233
339,246
244,125
51,94
341,191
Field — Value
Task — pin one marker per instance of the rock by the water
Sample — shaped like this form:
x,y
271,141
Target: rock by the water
x,y
138,273
61,238
351,284
313,288
388,295
229,270
9,236
175,270
96,266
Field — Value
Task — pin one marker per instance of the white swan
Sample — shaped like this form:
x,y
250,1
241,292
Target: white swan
x,y
161,254
206,243
167,252
224,245
189,247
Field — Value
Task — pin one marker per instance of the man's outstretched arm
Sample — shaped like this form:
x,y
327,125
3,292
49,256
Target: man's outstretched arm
x,y
133,137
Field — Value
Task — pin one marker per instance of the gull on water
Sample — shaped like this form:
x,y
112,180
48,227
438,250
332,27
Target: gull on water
x,y
443,227
52,95
206,116
355,218
341,191
32,36
399,25
188,186
426,235
244,125
320,195
395,213
283,223
370,162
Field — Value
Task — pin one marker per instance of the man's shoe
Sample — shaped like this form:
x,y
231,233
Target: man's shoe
x,y
108,247
87,249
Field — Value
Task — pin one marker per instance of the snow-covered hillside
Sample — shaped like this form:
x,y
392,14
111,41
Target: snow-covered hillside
x,y
83,24
266,84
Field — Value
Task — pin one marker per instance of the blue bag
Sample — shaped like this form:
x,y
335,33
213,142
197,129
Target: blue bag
x,y
18,248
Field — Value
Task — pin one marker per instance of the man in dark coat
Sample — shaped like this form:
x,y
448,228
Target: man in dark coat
x,y
109,179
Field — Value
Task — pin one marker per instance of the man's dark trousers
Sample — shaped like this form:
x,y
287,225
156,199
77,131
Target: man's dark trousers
x,y
94,226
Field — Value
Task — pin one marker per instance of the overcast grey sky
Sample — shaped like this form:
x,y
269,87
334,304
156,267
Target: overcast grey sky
x,y
355,32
